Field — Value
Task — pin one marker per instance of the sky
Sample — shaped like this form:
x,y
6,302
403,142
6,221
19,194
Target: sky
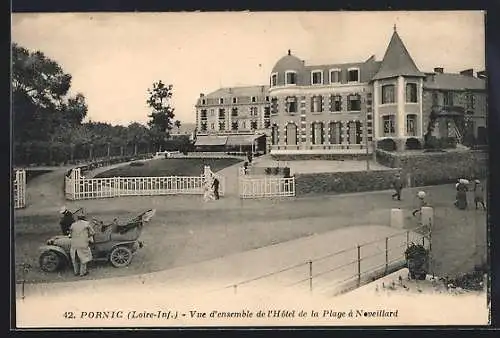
x,y
115,57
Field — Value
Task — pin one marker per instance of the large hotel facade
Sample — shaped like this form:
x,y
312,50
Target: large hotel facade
x,y
343,108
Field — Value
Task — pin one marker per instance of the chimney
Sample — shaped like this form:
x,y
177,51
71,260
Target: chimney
x,y
439,70
467,72
202,95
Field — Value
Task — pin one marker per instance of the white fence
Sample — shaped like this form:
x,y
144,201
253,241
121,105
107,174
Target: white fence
x,y
77,187
258,187
20,189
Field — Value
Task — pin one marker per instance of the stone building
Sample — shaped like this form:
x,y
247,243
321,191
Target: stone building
x,y
336,109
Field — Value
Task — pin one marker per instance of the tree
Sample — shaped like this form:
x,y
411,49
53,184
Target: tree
x,y
178,125
162,114
137,134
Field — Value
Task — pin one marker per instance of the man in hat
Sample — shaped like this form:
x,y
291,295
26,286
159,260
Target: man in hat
x,y
479,194
398,186
66,220
81,233
215,187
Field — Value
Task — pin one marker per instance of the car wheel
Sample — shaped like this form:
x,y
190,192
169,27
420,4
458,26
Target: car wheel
x,y
50,261
120,256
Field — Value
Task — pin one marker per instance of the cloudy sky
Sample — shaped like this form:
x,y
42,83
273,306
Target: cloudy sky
x,y
115,57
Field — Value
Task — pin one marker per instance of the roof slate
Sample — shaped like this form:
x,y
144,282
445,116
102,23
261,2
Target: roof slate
x,y
239,91
397,61
448,81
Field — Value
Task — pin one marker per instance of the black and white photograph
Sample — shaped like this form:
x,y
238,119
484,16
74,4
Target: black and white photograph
x,y
249,169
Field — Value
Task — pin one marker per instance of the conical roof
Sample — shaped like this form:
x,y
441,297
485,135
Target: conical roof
x,y
397,61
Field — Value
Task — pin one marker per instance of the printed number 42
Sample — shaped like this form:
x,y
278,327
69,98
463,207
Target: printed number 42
x,y
69,315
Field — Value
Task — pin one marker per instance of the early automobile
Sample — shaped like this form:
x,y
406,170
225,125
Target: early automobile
x,y
115,242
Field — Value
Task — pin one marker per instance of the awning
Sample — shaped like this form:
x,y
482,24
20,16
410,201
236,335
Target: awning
x,y
241,140
210,141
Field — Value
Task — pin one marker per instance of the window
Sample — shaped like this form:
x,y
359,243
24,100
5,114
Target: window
x,y
435,99
353,103
291,104
274,134
335,76
203,114
267,98
274,105
203,126
291,134
354,132
470,100
203,101
316,104
291,77
448,99
388,94
212,126
267,112
234,112
317,133
411,125
389,125
353,75
253,125
235,100
222,126
274,80
411,92
221,101
335,132
222,113
335,103
254,111
317,77
212,112
267,124
254,99
234,126
243,125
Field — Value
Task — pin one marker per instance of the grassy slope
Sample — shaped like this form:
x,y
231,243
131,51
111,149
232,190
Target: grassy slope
x,y
169,167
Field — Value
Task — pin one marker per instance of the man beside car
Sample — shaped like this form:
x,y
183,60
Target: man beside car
x,y
66,220
81,233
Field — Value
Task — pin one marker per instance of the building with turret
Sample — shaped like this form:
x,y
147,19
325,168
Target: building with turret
x,y
345,108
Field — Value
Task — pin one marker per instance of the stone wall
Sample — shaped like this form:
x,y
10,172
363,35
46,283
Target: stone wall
x,y
330,157
420,169
344,182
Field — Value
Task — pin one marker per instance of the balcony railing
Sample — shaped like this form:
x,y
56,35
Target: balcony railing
x,y
321,147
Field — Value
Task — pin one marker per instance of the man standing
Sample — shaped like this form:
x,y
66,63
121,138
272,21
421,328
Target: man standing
x,y
66,220
81,236
215,187
479,194
398,186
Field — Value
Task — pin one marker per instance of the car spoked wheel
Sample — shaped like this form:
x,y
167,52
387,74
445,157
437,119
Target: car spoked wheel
x,y
50,261
120,256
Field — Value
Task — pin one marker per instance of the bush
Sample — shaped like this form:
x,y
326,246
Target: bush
x,y
448,142
276,170
413,143
432,142
136,164
268,171
387,144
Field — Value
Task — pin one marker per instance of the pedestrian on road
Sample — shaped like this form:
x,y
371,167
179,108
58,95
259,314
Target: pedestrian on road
x,y
479,194
398,186
66,220
421,203
82,235
461,199
215,187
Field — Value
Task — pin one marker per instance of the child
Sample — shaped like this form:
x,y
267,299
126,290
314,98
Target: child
x,y
479,194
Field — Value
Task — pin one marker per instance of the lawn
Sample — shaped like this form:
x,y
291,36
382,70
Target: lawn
x,y
169,167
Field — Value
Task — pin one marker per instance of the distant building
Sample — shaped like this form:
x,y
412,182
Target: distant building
x,y
342,108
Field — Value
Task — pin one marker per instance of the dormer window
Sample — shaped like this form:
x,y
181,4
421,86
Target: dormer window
x,y
290,77
221,101
203,101
267,98
334,75
254,99
317,77
235,100
353,75
274,80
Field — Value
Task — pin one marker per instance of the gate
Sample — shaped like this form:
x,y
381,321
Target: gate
x,y
19,189
259,187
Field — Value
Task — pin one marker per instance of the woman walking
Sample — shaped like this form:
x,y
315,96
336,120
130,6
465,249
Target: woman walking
x,y
461,200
